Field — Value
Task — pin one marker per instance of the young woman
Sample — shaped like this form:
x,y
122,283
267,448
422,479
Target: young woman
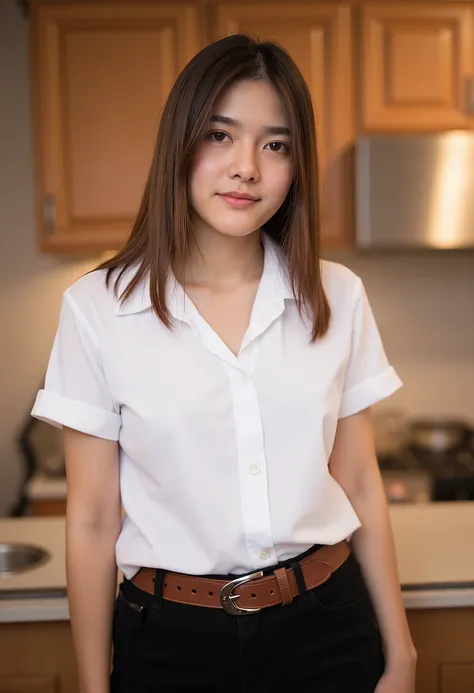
x,y
215,379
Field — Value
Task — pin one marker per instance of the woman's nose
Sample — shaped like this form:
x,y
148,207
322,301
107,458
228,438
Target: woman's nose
x,y
244,163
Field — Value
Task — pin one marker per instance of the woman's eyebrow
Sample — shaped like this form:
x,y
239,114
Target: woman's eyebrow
x,y
277,130
268,129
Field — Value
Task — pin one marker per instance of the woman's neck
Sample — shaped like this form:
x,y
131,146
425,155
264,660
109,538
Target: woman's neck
x,y
221,262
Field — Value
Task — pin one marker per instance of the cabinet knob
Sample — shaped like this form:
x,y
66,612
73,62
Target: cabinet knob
x,y
49,214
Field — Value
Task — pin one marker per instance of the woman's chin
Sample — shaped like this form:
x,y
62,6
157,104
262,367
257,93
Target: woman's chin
x,y
231,230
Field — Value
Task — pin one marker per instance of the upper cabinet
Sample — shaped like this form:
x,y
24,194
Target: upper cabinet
x,y
319,39
102,73
417,66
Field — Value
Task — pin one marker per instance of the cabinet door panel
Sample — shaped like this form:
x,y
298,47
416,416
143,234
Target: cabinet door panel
x,y
318,37
27,684
416,63
103,76
37,656
444,640
457,678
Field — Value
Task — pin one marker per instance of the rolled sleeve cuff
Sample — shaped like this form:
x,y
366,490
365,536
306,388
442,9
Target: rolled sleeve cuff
x,y
369,392
62,411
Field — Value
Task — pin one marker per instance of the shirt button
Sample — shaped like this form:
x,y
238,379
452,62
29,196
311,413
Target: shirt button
x,y
254,469
264,555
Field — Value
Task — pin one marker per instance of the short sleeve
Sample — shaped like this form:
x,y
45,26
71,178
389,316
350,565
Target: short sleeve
x,y
369,377
75,392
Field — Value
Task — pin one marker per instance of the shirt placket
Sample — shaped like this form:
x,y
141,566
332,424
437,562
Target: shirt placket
x,y
251,458
252,463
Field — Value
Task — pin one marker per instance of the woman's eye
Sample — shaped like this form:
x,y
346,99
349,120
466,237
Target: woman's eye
x,y
217,136
277,147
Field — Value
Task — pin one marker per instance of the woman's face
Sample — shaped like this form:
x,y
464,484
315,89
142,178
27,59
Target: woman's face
x,y
246,152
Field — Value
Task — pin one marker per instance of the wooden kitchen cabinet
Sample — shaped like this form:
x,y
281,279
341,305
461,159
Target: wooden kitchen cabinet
x,y
37,658
318,37
102,73
444,640
457,677
29,684
417,66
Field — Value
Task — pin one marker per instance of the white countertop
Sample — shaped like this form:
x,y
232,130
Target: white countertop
x,y
435,553
433,542
42,582
46,532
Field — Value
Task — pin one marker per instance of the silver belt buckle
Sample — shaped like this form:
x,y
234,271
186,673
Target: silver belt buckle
x,y
228,597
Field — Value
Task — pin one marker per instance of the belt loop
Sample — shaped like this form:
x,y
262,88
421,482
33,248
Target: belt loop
x,y
158,588
284,586
296,567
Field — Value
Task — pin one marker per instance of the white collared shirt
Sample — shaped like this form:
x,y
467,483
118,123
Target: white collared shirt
x,y
223,459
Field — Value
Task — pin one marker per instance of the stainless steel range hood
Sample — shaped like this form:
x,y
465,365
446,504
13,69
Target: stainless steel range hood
x,y
415,191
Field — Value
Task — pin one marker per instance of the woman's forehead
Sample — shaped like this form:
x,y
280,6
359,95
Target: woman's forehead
x,y
251,101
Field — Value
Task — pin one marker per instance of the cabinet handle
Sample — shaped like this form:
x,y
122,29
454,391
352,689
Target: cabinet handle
x,y
470,95
49,214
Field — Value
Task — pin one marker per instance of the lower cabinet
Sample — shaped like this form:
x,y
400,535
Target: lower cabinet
x,y
28,684
444,639
37,658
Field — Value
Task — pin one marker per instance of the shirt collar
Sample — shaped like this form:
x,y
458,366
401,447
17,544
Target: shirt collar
x,y
275,269
139,299
274,283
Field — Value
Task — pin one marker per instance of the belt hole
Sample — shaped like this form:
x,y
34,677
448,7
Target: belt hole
x,y
211,594
165,584
254,596
193,591
178,588
272,592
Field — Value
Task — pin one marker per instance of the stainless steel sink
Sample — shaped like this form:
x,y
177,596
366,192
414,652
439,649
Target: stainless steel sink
x,y
16,558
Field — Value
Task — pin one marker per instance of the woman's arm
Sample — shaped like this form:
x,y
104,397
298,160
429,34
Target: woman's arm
x,y
93,522
353,464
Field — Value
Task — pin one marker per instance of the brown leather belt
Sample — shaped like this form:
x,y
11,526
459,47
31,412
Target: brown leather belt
x,y
253,592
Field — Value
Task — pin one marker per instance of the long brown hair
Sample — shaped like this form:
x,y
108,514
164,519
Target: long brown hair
x,y
162,233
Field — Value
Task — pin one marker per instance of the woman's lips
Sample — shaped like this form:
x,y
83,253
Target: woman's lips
x,y
238,202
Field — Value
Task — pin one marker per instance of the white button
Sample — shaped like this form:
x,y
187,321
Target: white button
x,y
254,469
264,555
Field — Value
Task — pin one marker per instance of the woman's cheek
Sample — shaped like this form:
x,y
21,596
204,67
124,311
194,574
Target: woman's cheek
x,y
205,169
282,181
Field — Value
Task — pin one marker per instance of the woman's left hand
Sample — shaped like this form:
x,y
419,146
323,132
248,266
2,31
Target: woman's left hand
x,y
398,677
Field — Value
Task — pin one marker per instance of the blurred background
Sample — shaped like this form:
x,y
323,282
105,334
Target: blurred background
x,y
82,85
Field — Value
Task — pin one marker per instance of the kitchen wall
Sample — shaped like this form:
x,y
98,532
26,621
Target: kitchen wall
x,y
30,284
424,303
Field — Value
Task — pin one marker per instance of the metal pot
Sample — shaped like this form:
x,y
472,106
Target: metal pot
x,y
439,435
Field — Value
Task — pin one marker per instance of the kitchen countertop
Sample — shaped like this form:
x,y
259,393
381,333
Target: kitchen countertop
x,y
42,587
433,540
435,560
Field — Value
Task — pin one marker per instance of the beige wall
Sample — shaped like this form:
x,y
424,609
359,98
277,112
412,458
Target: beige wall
x,y
30,284
424,303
